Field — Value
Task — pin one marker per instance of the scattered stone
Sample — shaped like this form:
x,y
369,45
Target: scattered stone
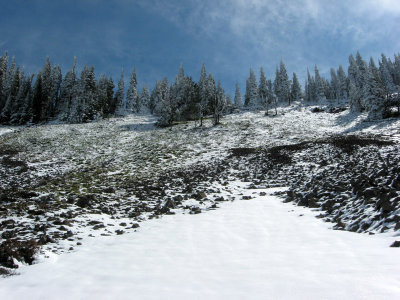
x,y
395,244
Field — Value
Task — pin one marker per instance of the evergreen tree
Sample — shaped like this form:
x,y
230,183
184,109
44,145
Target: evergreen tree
x,y
384,68
37,99
102,95
334,86
296,92
355,98
342,84
132,98
46,91
119,96
18,104
165,105
319,86
56,79
3,72
110,105
26,112
238,98
282,84
219,104
11,96
203,91
263,89
145,97
375,94
251,95
67,90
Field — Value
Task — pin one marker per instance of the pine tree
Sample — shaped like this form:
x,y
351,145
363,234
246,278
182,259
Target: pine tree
x,y
282,84
251,95
8,80
56,79
132,98
165,105
296,92
145,97
67,90
110,105
37,99
342,83
3,72
355,98
375,93
219,104
263,89
13,88
26,112
334,86
46,91
319,86
238,98
18,104
386,76
355,86
203,90
119,97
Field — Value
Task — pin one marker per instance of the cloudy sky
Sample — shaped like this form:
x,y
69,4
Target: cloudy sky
x,y
229,36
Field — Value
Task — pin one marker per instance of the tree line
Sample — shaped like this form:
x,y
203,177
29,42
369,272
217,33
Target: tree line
x,y
78,98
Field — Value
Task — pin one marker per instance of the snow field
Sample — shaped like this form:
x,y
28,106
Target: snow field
x,y
249,249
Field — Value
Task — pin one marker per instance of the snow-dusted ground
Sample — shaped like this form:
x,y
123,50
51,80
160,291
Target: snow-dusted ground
x,y
255,249
5,129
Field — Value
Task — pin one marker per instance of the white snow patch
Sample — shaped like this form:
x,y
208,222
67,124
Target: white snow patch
x,y
256,249
4,130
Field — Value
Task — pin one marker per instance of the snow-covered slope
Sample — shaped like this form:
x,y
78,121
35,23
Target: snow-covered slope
x,y
86,188
255,249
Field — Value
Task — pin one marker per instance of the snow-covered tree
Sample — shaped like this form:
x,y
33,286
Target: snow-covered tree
x,y
165,105
262,88
132,99
145,98
67,90
219,104
319,86
3,73
12,91
386,75
37,99
342,84
374,92
282,84
354,98
238,101
203,91
251,95
296,92
119,96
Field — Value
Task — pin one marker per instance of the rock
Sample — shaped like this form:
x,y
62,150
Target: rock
x,y
119,231
195,210
85,201
135,225
246,197
396,244
384,205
